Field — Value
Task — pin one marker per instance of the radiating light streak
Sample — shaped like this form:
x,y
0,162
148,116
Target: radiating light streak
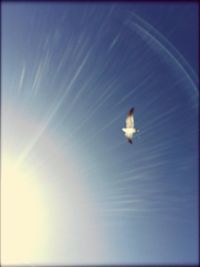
x,y
21,81
132,201
111,149
154,199
150,196
135,89
138,210
37,79
160,118
161,44
108,96
103,24
115,40
159,94
52,114
126,188
152,156
151,153
106,126
138,178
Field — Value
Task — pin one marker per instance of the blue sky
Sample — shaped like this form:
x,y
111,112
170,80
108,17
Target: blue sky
x,y
70,73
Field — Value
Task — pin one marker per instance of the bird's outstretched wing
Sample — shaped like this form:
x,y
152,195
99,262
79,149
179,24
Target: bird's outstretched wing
x,y
130,119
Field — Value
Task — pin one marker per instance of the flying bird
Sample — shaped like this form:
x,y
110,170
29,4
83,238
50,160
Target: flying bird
x,y
130,130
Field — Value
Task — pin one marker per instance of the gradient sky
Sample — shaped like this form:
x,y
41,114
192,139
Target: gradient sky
x,y
74,191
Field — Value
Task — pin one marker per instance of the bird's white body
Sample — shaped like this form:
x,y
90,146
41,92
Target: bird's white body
x,y
130,130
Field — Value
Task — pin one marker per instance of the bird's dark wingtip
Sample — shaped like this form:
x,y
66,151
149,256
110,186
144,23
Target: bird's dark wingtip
x,y
130,141
131,111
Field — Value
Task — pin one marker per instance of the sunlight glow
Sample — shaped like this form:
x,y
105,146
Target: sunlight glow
x,y
23,217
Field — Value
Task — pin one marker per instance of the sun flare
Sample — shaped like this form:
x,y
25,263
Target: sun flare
x,y
24,215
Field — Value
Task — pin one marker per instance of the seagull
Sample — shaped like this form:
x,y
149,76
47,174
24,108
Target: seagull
x,y
130,129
